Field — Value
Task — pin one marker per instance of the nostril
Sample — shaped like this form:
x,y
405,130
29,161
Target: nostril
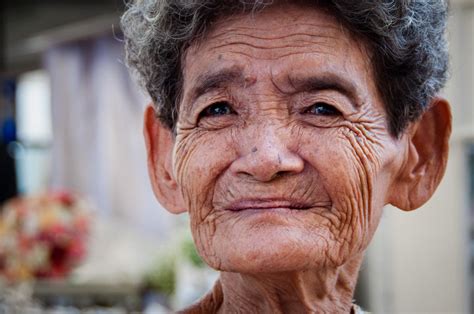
x,y
265,177
268,162
281,174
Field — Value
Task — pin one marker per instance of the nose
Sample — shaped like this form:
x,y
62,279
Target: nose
x,y
269,158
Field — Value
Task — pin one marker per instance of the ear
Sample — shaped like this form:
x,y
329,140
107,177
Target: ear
x,y
159,145
426,155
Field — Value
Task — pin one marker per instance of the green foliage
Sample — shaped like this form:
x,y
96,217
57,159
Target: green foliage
x,y
190,253
162,277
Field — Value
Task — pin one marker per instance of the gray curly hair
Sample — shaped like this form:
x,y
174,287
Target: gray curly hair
x,y
406,39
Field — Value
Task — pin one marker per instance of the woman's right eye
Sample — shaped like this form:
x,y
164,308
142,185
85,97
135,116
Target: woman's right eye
x,y
220,108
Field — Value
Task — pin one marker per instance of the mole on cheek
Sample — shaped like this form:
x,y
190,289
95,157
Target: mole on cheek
x,y
254,149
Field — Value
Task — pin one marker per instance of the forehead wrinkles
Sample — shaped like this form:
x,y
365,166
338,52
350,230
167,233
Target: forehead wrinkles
x,y
271,44
281,28
268,35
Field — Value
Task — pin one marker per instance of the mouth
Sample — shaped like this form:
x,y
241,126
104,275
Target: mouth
x,y
267,204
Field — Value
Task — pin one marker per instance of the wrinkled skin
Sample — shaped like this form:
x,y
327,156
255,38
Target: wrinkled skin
x,y
283,159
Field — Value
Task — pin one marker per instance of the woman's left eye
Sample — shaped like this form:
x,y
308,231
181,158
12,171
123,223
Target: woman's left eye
x,y
322,109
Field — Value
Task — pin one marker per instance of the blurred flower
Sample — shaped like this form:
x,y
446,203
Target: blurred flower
x,y
42,236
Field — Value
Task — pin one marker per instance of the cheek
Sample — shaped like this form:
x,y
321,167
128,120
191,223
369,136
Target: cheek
x,y
199,160
351,167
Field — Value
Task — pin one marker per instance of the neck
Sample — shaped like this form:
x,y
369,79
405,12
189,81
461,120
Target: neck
x,y
328,290
309,291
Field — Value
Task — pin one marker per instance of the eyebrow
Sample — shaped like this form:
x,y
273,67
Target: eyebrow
x,y
327,81
215,80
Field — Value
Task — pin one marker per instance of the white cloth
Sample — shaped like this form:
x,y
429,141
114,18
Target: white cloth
x,y
98,147
99,152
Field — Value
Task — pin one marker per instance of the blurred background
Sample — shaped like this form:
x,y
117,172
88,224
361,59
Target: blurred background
x,y
80,230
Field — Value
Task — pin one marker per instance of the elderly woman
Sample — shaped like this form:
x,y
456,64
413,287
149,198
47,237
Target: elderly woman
x,y
283,128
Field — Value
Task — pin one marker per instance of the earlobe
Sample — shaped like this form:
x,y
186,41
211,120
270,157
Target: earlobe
x,y
159,145
426,155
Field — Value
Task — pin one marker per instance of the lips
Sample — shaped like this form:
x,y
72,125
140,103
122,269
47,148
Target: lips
x,y
266,204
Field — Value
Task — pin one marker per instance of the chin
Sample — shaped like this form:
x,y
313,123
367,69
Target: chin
x,y
270,248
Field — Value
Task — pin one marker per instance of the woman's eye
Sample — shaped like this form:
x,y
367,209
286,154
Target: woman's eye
x,y
322,109
217,109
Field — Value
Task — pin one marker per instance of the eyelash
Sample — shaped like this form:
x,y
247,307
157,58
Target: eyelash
x,y
328,110
215,109
207,112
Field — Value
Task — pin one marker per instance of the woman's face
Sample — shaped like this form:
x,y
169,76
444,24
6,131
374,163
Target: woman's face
x,y
282,154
